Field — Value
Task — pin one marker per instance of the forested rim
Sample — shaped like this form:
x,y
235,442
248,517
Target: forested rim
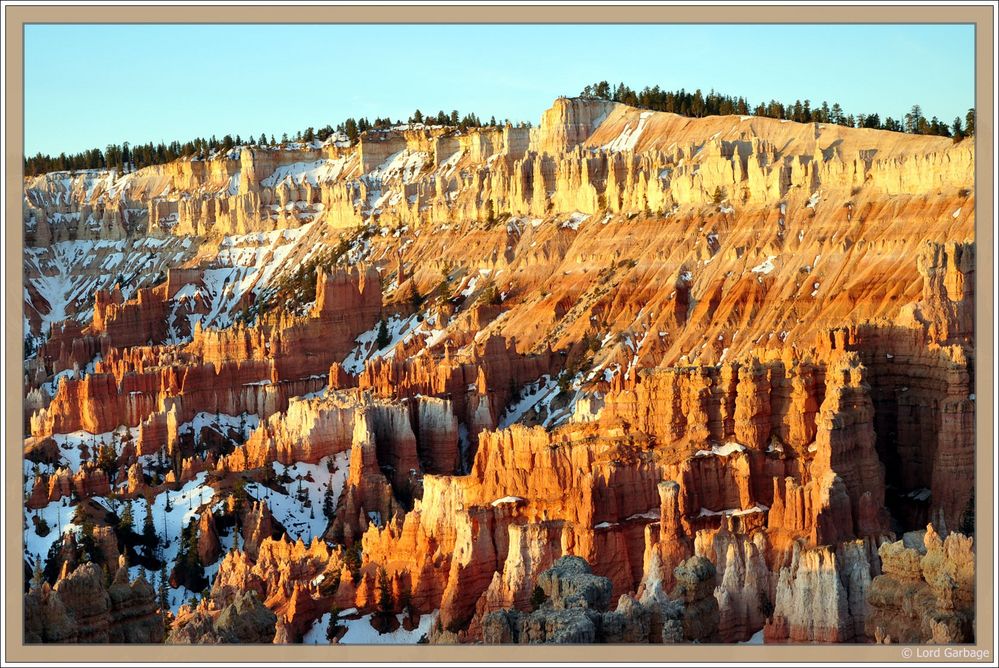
x,y
126,157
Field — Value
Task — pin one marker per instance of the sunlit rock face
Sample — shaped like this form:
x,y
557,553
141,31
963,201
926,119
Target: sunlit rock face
x,y
624,376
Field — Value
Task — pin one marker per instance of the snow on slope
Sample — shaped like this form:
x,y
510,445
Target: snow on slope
x,y
628,139
537,395
66,274
186,504
300,510
249,263
320,171
66,186
360,631
400,330
385,181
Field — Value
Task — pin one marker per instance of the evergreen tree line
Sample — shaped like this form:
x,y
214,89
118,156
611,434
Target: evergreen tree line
x,y
460,122
697,105
127,157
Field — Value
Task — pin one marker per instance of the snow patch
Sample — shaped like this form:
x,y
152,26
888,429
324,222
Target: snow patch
x,y
507,499
308,486
299,173
756,638
575,220
536,395
360,632
399,329
628,139
721,451
766,266
734,512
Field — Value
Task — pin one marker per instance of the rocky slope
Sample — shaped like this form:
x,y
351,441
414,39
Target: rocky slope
x,y
394,388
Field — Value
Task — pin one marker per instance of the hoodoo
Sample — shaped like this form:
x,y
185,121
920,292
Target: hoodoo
x,y
625,376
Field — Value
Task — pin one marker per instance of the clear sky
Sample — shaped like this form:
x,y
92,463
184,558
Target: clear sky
x,y
91,85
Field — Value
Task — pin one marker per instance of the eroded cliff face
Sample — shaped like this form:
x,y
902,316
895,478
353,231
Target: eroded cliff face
x,y
726,362
83,607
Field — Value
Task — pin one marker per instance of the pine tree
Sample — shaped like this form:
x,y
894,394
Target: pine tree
x,y
415,299
329,503
239,496
351,130
492,295
957,130
148,528
163,597
331,628
383,338
126,522
87,543
352,560
969,122
836,114
384,592
405,597
107,460
914,119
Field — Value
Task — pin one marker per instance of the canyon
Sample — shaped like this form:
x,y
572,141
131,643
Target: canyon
x,y
625,376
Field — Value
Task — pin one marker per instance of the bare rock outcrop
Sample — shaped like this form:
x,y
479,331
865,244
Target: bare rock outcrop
x,y
82,608
571,606
821,596
925,591
243,621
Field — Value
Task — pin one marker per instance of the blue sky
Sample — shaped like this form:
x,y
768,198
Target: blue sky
x,y
90,85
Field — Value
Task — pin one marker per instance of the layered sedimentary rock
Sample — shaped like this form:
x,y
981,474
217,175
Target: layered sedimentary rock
x,y
243,621
477,384
82,608
229,371
726,361
821,596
